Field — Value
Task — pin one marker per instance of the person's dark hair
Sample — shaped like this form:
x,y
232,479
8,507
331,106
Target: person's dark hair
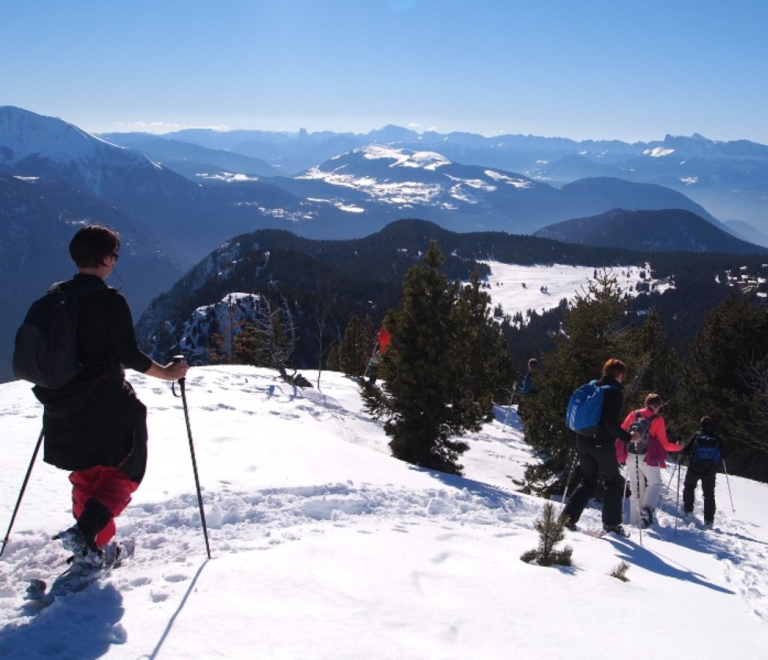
x,y
533,363
614,368
653,400
92,244
706,423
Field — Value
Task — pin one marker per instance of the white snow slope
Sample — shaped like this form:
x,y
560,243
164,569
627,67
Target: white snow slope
x,y
323,546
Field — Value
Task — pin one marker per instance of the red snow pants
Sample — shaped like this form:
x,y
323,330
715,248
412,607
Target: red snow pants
x,y
108,485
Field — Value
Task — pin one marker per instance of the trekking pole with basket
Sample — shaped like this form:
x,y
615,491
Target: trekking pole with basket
x,y
21,493
182,388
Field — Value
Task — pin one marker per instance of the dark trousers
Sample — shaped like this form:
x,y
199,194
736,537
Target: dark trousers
x,y
707,478
596,459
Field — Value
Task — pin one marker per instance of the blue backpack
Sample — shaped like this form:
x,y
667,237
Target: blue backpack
x,y
706,449
585,408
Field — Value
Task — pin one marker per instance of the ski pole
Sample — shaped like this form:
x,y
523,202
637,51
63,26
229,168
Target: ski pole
x,y
639,512
568,478
728,481
509,407
624,496
677,513
672,476
182,381
21,493
368,366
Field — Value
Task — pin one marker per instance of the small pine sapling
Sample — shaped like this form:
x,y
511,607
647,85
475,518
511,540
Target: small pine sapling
x,y
620,572
551,532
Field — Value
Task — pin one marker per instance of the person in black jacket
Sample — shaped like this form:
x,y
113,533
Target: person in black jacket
x,y
597,455
704,450
95,426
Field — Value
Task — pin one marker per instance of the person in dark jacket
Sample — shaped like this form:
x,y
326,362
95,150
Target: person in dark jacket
x,y
597,455
704,451
528,386
95,426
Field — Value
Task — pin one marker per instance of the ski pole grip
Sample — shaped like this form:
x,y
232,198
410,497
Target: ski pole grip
x,y
178,358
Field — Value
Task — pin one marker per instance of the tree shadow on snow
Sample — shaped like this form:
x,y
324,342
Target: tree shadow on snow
x,y
81,625
495,494
638,555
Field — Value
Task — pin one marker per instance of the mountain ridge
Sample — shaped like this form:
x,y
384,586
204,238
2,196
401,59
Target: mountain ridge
x,y
666,230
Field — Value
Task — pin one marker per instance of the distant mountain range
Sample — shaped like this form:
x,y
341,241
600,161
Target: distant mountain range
x,y
667,230
176,198
729,179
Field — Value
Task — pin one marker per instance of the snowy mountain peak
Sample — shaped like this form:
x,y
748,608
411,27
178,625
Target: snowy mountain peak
x,y
428,160
24,134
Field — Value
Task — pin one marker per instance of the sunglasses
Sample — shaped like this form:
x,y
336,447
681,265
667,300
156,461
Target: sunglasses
x,y
116,256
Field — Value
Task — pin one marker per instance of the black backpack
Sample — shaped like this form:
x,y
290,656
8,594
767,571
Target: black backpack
x,y
45,350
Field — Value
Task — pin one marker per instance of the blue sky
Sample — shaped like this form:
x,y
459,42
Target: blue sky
x,y
582,69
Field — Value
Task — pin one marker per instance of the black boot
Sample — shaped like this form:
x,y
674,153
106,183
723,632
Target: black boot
x,y
92,520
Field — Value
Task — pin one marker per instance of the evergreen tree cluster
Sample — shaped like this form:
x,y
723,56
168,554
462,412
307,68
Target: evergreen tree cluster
x,y
724,376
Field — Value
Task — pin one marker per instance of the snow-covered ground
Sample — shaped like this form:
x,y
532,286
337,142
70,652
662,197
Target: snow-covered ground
x,y
540,288
323,546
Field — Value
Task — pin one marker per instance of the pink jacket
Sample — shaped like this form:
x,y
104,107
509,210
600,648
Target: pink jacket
x,y
658,443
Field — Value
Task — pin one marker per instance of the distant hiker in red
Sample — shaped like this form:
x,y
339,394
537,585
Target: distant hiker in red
x,y
645,459
95,426
383,339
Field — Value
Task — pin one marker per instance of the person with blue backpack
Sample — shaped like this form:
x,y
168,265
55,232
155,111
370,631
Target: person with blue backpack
x,y
705,450
595,448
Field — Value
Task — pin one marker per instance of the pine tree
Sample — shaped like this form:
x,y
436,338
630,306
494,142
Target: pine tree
x,y
437,385
715,381
551,532
489,367
593,331
654,365
353,353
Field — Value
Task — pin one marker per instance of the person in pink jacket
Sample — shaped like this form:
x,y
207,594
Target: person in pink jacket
x,y
645,460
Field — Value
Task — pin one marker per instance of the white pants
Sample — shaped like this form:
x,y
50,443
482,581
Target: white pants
x,y
650,486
